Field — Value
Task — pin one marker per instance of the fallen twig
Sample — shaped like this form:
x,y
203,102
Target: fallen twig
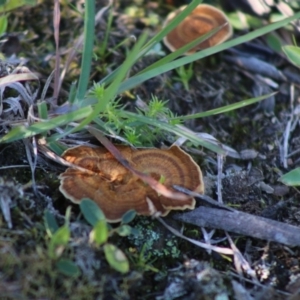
x,y
243,223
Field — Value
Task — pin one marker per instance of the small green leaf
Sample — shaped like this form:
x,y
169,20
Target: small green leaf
x,y
58,242
67,267
237,22
128,216
50,223
135,232
291,178
61,236
91,211
274,42
124,230
100,232
293,54
116,258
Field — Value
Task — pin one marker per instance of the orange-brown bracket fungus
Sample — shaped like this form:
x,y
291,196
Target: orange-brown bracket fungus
x,y
202,19
116,190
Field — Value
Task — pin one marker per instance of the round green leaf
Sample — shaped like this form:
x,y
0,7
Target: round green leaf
x,y
291,178
124,230
100,232
50,223
128,216
58,242
61,236
67,267
116,258
293,54
91,211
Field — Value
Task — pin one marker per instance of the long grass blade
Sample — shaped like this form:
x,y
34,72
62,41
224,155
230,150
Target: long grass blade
x,y
196,140
22,132
89,29
182,50
140,78
158,37
224,109
111,91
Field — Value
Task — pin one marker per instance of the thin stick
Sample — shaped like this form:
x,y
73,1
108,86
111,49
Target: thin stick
x,y
243,224
220,250
219,180
287,131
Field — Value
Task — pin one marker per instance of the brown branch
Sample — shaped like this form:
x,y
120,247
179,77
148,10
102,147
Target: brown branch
x,y
244,224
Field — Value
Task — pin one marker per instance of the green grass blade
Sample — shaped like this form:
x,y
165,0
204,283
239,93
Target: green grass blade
x,y
140,78
158,37
189,134
112,90
293,54
22,132
172,24
42,110
196,140
181,51
104,43
89,29
56,147
224,109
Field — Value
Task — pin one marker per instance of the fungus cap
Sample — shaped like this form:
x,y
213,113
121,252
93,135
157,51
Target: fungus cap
x,y
202,19
116,190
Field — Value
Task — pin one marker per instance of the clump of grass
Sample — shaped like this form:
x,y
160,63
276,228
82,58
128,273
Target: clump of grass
x,y
135,131
87,109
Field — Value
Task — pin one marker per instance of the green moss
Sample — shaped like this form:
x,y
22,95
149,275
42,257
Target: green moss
x,y
154,241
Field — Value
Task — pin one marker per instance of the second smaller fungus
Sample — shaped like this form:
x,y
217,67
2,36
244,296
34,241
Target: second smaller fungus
x,y
202,20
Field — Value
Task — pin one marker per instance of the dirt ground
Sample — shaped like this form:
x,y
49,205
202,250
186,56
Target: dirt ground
x,y
163,266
